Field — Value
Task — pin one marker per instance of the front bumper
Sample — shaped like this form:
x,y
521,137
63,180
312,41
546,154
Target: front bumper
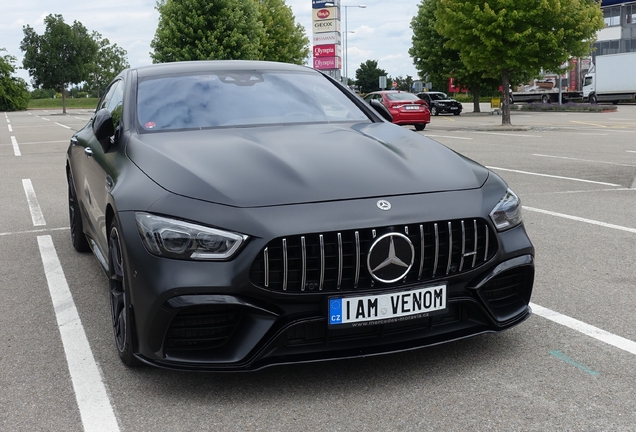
x,y
211,316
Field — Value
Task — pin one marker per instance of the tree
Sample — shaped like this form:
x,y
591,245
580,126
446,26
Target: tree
x,y
437,62
205,30
507,37
110,60
14,92
368,76
59,57
283,40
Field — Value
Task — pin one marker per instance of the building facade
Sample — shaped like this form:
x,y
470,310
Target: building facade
x,y
619,34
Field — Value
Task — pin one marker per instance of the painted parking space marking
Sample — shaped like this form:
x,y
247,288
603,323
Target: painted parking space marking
x,y
509,134
586,329
553,176
449,136
558,354
580,219
34,205
584,160
94,405
41,142
64,126
2,234
16,148
10,128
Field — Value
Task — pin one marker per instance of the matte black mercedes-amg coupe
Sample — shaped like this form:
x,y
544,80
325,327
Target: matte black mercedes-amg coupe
x,y
253,213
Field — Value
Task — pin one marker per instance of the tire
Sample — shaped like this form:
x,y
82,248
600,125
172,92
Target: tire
x,y
434,111
457,113
78,239
120,309
420,126
545,99
593,99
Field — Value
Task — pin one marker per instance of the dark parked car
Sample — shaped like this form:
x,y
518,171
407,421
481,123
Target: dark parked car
x,y
439,103
406,108
300,226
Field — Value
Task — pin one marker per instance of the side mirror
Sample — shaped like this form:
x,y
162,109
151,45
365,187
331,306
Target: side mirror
x,y
103,128
381,109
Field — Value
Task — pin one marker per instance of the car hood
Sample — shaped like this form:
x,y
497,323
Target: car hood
x,y
279,165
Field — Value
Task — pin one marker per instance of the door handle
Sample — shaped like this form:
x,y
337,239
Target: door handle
x,y
88,152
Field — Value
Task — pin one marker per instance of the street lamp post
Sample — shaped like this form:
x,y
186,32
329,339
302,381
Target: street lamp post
x,y
346,37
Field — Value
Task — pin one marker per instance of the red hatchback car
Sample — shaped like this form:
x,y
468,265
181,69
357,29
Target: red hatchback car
x,y
406,108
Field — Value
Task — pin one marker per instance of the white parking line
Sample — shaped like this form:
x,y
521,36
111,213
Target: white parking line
x,y
584,160
449,136
509,134
34,206
10,128
580,219
553,176
60,124
16,149
32,231
586,329
95,409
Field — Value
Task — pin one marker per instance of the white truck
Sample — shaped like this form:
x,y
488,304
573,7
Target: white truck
x,y
612,78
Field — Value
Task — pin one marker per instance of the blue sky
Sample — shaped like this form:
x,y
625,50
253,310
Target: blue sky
x,y
381,30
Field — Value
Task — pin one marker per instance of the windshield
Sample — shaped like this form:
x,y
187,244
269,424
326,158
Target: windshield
x,y
233,98
438,96
402,97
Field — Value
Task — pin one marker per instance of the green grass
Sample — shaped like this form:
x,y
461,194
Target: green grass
x,y
90,103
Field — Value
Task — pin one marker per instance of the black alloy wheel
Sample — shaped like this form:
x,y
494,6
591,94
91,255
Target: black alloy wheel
x,y
80,243
120,298
420,126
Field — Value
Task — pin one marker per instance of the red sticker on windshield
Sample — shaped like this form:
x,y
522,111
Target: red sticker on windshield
x,y
150,125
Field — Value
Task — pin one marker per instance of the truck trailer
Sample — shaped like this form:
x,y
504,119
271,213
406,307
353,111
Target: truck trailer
x,y
612,78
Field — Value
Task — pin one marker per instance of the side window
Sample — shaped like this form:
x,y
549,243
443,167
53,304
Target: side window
x,y
115,104
107,96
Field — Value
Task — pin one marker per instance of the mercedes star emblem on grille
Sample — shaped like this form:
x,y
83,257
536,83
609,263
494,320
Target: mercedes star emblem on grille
x,y
384,205
390,257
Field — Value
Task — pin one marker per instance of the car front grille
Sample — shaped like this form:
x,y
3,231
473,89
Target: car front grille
x,y
337,261
202,327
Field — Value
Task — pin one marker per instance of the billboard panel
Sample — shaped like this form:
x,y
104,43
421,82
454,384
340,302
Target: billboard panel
x,y
331,50
324,13
327,38
325,26
318,4
327,63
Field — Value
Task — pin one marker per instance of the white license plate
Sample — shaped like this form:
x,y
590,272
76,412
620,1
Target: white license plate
x,y
453,108
386,308
412,107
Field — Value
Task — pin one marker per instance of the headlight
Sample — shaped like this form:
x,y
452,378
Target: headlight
x,y
507,212
173,238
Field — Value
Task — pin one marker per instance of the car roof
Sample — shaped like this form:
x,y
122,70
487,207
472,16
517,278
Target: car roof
x,y
162,69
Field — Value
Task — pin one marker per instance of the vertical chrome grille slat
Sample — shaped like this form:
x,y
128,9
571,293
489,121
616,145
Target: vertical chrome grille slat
x,y
322,262
285,265
357,277
339,261
419,274
436,249
461,261
303,252
487,244
266,259
476,248
450,248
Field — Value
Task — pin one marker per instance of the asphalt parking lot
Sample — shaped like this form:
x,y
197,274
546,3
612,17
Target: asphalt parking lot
x,y
571,366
